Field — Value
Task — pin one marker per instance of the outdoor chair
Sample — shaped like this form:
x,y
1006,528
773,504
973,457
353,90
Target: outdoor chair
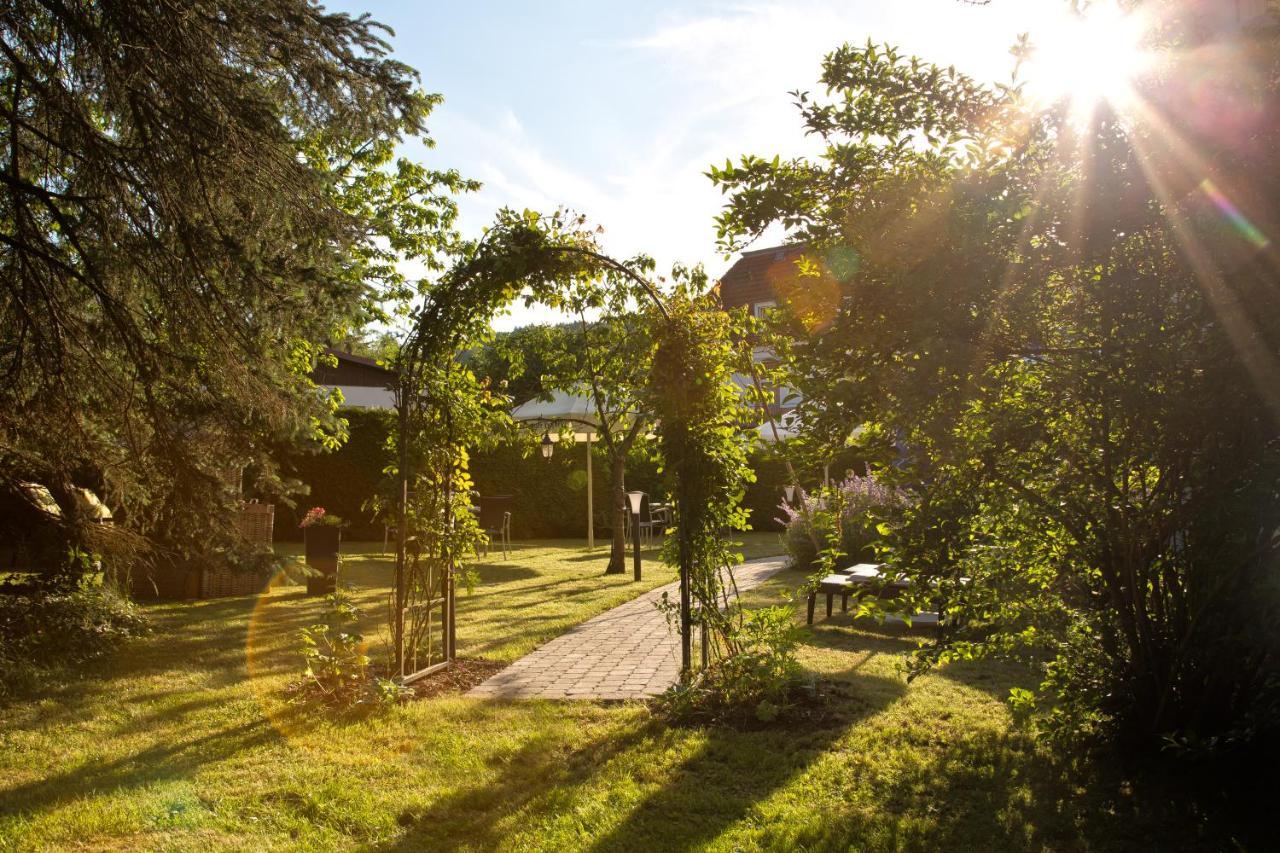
x,y
660,517
495,520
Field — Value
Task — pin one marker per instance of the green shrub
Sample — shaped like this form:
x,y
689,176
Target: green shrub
x,y
337,672
65,618
761,680
550,495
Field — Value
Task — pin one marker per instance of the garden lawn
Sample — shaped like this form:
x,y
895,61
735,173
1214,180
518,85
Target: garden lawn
x,y
184,739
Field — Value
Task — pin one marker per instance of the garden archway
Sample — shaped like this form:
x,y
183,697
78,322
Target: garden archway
x,y
439,405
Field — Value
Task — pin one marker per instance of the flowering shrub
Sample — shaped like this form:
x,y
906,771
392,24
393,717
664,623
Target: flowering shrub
x,y
317,517
845,515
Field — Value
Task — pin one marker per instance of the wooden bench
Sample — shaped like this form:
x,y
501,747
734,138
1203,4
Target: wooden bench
x,y
851,581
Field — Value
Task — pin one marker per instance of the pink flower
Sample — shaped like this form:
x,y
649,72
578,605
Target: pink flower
x,y
314,516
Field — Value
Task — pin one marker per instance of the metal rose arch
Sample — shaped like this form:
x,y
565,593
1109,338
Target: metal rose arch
x,y
440,407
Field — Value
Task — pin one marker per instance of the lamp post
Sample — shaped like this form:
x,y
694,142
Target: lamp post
x,y
636,500
548,446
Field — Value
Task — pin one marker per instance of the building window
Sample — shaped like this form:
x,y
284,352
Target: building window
x,y
759,309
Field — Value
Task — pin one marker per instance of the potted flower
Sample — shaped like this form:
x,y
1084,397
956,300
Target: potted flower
x,y
321,535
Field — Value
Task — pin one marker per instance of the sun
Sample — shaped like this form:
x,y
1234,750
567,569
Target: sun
x,y
1087,57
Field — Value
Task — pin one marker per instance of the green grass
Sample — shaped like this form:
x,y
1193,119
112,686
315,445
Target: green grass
x,y
184,740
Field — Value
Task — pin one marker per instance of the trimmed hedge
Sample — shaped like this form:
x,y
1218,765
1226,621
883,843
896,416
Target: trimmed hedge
x,y
550,495
343,480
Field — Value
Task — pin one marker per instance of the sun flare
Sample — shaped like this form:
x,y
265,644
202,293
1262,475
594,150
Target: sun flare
x,y
1087,58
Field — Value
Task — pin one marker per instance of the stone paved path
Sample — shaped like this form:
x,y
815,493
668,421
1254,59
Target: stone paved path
x,y
625,653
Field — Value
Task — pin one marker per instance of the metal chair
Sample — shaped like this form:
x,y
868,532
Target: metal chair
x,y
659,519
495,519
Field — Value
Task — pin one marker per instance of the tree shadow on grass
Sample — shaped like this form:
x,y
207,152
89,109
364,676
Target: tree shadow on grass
x,y
580,586
991,676
471,816
601,555
733,771
1000,791
208,635
160,762
498,573
728,772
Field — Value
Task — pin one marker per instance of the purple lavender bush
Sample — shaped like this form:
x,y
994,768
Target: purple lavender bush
x,y
847,511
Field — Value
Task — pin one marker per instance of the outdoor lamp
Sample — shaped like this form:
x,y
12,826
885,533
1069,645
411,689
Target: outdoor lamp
x,y
790,492
636,499
548,446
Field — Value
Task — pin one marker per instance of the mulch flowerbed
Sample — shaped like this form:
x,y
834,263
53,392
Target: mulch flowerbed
x,y
459,678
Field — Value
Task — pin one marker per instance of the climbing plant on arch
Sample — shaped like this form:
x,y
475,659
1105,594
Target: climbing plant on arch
x,y
442,408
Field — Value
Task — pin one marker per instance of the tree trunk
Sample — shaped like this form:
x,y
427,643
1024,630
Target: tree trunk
x,y
618,554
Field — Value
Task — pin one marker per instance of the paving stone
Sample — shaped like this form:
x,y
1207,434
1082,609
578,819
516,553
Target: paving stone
x,y
629,652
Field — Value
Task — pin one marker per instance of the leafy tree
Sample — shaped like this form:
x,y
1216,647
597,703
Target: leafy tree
x,y
194,197
513,362
1026,310
608,359
605,355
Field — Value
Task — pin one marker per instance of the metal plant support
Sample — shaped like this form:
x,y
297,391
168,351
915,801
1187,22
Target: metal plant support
x,y
470,294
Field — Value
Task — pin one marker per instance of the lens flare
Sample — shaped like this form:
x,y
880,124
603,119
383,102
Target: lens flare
x,y
1088,57
1241,223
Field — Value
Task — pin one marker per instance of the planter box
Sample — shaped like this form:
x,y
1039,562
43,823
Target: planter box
x,y
321,545
177,581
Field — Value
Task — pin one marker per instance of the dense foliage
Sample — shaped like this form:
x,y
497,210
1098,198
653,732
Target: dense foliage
x,y
759,682
337,671
194,198
550,494
1077,371
58,619
701,410
607,359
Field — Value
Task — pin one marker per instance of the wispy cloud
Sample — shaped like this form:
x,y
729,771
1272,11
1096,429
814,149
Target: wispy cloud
x,y
713,86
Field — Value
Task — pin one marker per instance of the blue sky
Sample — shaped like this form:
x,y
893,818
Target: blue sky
x,y
616,109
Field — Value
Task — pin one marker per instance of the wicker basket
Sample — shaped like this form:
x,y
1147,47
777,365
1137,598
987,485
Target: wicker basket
x,y
257,523
218,583
178,581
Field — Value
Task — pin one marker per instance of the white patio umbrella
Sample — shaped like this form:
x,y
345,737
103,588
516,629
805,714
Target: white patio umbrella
x,y
577,411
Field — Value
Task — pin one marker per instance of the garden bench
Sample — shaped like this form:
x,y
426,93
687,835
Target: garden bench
x,y
847,582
